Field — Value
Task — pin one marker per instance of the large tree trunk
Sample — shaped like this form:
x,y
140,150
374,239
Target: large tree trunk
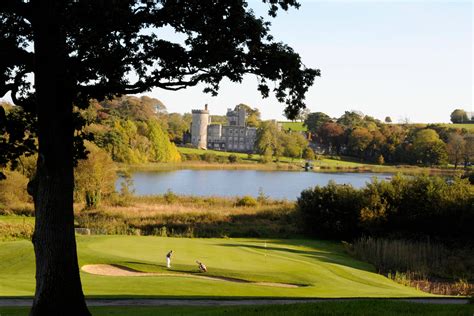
x,y
58,285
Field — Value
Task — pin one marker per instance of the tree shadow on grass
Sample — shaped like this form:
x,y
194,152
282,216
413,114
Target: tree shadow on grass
x,y
326,254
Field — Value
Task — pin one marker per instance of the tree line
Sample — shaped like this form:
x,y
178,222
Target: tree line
x,y
368,139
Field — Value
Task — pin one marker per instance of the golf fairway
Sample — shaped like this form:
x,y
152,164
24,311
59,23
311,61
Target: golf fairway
x,y
318,268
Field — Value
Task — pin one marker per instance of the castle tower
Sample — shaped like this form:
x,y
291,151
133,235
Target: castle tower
x,y
241,114
199,127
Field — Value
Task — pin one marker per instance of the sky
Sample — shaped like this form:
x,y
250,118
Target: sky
x,y
404,59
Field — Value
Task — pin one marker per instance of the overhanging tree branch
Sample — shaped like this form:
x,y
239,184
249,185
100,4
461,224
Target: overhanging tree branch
x,y
17,7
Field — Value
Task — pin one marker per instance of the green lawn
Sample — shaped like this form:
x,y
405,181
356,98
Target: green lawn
x,y
323,267
15,219
367,308
469,127
243,156
294,126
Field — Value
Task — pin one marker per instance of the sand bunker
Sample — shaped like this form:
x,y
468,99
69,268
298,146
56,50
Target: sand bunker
x,y
116,270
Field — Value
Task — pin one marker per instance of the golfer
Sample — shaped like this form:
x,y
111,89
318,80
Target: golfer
x,y
168,259
201,266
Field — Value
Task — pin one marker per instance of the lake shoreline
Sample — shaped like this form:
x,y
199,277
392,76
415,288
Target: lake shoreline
x,y
318,167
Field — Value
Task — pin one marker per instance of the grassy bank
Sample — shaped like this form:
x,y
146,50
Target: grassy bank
x,y
220,160
367,308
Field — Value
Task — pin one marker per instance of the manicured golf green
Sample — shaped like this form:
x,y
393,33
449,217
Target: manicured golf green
x,y
321,268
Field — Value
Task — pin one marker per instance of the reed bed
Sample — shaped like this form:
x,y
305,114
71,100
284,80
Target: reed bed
x,y
192,216
430,266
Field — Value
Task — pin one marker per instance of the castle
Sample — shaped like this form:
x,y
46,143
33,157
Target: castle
x,y
235,136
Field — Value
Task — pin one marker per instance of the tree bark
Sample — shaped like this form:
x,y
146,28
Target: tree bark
x,y
58,284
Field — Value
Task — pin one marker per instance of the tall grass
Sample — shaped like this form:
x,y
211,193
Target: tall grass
x,y
430,266
12,231
278,223
192,216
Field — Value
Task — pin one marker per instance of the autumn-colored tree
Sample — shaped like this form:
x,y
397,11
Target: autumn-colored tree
x,y
456,149
94,177
315,120
331,135
308,154
359,139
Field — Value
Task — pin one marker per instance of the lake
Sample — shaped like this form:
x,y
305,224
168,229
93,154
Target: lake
x,y
275,184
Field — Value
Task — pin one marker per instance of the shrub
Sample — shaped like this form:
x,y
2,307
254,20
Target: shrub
x,y
221,159
208,157
192,157
308,154
331,211
246,201
262,198
381,160
170,197
16,231
233,158
95,176
13,190
412,207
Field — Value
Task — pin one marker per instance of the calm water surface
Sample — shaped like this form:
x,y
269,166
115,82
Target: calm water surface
x,y
275,184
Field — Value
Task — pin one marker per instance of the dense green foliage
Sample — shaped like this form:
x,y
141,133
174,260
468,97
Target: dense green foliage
x,y
273,142
94,177
17,137
130,130
409,207
460,116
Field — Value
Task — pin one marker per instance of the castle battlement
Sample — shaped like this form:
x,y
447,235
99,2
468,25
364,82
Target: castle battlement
x,y
199,111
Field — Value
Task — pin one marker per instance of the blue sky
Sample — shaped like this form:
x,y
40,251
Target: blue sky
x,y
404,59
